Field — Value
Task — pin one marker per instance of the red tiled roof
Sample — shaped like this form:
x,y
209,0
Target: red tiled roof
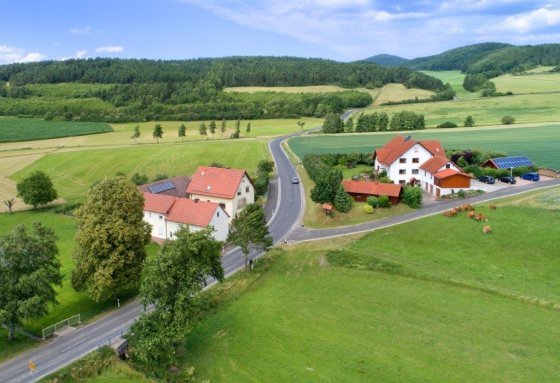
x,y
434,147
158,203
327,206
217,182
450,172
371,188
393,149
193,213
180,189
434,164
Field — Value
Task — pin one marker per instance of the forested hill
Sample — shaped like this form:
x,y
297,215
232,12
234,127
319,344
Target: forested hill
x,y
492,59
221,72
387,60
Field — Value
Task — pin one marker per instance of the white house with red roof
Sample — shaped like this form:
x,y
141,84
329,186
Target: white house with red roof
x,y
232,189
166,214
422,163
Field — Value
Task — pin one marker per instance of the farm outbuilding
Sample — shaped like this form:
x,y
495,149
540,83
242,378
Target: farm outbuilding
x,y
507,162
360,190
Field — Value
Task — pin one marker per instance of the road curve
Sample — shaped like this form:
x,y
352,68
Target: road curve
x,y
63,350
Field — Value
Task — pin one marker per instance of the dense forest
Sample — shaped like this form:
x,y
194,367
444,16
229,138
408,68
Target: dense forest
x,y
116,90
492,59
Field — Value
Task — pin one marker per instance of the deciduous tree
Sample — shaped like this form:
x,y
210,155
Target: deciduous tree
x,y
136,133
212,127
223,127
249,231
36,189
469,121
110,240
248,129
158,132
342,201
29,270
10,204
202,129
182,131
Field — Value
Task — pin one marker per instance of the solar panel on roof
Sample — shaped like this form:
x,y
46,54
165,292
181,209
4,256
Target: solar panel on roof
x,y
512,162
158,188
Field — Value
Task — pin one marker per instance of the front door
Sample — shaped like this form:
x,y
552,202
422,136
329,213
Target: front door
x,y
438,190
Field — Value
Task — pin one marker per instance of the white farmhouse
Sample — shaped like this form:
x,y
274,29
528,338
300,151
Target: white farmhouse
x,y
421,163
166,214
232,189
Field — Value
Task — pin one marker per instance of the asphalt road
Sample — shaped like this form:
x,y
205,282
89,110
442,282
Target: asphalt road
x,y
284,207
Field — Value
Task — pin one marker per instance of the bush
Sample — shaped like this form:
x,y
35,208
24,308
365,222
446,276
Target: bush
x,y
139,179
373,201
386,180
461,194
384,201
469,122
368,209
412,196
447,125
265,166
508,120
67,209
159,177
261,183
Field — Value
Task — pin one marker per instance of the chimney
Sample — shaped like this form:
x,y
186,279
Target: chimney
x,y
437,150
202,173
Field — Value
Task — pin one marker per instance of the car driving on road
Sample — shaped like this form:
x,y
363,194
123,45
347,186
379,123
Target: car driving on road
x,y
295,180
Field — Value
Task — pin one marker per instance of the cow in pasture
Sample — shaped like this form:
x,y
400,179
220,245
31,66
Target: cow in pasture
x,y
486,229
481,217
492,207
467,207
470,214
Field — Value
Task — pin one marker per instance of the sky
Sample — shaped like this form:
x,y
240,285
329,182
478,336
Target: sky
x,y
343,30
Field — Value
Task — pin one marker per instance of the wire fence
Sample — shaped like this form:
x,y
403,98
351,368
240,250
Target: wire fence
x,y
49,331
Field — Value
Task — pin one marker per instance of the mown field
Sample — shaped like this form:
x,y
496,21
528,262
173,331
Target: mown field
x,y
74,172
534,83
70,302
27,129
437,307
455,79
539,141
398,92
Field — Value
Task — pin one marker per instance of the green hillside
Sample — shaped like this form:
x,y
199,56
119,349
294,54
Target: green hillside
x,y
387,60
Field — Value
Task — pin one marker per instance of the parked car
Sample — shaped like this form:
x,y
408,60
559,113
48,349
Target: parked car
x,y
508,180
532,176
295,180
487,179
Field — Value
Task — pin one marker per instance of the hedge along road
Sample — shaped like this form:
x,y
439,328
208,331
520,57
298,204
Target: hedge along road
x,y
283,224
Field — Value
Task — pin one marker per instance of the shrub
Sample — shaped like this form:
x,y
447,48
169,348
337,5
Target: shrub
x,y
368,209
508,120
261,183
373,201
412,196
385,180
265,166
447,125
384,201
159,177
469,122
461,194
139,179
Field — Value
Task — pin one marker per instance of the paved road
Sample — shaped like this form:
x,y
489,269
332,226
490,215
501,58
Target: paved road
x,y
284,206
284,209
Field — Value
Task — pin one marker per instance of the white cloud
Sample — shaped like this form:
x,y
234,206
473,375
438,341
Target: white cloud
x,y
81,54
13,54
86,31
537,19
110,49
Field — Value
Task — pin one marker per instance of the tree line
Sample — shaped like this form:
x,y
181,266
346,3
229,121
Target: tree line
x,y
375,122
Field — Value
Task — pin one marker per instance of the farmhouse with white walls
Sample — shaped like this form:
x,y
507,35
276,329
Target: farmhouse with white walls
x,y
420,163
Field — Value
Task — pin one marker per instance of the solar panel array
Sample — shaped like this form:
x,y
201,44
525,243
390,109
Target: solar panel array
x,y
512,162
158,188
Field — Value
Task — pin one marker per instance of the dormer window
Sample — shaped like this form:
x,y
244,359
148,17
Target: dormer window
x,y
448,165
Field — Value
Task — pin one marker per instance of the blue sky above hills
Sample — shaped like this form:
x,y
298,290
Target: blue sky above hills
x,y
345,30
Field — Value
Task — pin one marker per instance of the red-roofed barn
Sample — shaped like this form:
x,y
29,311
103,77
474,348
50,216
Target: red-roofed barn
x,y
360,190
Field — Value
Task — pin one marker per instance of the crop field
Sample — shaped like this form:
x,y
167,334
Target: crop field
x,y
398,92
27,129
534,83
538,142
439,308
74,172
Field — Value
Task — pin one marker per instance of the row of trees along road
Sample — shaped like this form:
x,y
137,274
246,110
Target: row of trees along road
x,y
110,255
375,122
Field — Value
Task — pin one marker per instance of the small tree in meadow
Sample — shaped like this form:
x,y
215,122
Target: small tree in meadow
x,y
36,189
508,120
10,204
202,130
212,128
223,127
182,131
248,129
135,133
301,124
158,132
469,122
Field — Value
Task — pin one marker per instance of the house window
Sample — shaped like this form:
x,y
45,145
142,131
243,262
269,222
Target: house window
x,y
161,217
416,160
402,171
448,166
217,214
424,173
402,160
414,171
238,191
247,189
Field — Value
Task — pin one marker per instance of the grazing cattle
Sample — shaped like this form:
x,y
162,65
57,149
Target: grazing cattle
x,y
492,207
481,217
486,229
467,207
470,214
450,213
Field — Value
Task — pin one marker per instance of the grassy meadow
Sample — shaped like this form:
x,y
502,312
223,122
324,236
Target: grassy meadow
x,y
398,92
74,172
455,79
538,141
28,129
444,306
533,83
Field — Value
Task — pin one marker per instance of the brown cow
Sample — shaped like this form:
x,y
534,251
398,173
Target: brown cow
x,y
481,217
486,229
470,214
467,207
492,207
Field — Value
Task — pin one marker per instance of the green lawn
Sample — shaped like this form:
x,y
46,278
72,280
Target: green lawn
x,y
19,343
70,301
539,142
26,129
74,172
431,316
455,79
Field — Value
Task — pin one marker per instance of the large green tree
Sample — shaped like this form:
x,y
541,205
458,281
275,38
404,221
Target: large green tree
x,y
110,240
172,280
333,124
29,270
326,186
249,231
342,201
36,189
